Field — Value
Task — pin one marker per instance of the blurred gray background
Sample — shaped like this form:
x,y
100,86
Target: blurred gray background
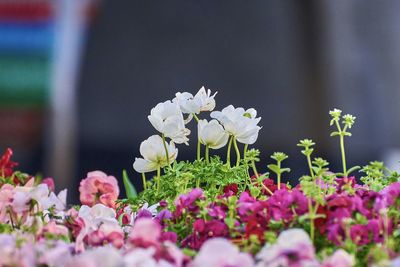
x,y
293,61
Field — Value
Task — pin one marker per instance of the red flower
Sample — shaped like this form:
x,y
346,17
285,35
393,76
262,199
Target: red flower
x,y
6,165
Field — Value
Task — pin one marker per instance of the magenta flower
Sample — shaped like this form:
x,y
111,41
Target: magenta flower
x,y
203,230
283,203
187,202
97,187
6,165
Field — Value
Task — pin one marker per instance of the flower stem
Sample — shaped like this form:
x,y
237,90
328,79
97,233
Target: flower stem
x,y
310,166
246,146
279,174
341,135
198,150
166,150
237,152
228,154
158,179
198,139
253,166
144,181
207,154
343,155
311,214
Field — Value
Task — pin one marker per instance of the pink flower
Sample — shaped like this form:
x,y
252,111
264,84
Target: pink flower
x,y
97,187
219,252
339,259
54,229
293,248
146,232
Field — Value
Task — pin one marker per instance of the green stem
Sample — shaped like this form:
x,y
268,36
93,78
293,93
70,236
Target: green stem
x,y
198,139
341,135
207,154
228,153
246,146
166,150
310,166
253,166
343,155
198,150
311,214
158,179
237,152
144,181
279,175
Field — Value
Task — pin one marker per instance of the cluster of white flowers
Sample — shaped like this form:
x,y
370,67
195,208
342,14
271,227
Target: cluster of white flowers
x,y
235,124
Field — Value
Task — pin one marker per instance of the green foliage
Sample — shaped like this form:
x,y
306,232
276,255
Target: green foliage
x,y
377,175
130,189
184,175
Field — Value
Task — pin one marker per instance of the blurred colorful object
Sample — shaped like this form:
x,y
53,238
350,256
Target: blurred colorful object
x,y
26,41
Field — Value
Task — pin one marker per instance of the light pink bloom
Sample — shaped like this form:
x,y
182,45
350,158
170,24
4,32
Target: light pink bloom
x,y
292,249
145,230
97,187
219,252
339,259
54,229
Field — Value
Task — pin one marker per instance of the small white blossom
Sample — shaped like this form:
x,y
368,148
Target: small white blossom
x,y
154,154
202,101
212,134
241,124
167,118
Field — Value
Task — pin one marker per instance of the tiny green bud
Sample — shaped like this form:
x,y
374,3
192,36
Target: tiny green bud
x,y
349,120
306,143
279,156
335,113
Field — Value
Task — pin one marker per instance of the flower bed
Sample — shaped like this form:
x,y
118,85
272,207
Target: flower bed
x,y
211,212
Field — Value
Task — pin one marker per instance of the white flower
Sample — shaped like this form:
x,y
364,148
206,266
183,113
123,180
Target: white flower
x,y
212,134
154,156
97,215
167,118
202,101
240,123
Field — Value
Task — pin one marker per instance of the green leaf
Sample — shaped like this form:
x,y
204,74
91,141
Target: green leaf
x,y
130,190
274,168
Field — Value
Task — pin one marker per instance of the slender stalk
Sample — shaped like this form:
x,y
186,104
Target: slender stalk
x,y
198,139
253,166
279,175
311,214
246,146
310,166
207,154
343,155
341,135
228,153
198,150
158,179
166,150
237,152
144,181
